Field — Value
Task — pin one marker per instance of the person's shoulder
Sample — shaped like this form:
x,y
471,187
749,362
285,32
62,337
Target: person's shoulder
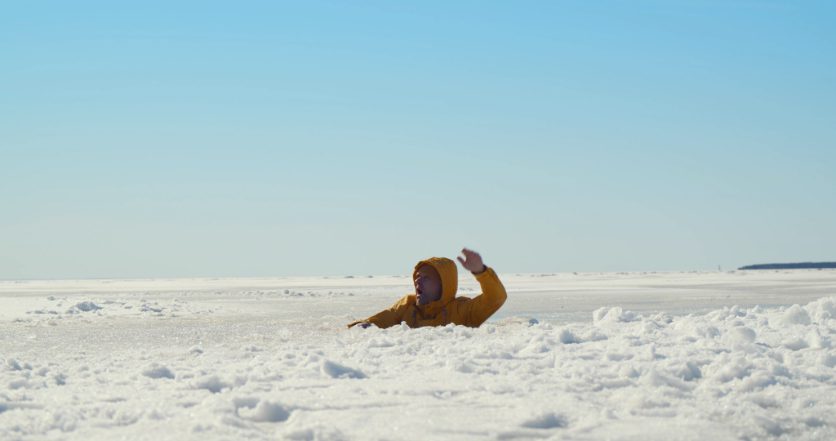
x,y
463,299
408,299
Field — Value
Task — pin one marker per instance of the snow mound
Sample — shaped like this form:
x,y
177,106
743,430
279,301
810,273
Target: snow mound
x,y
211,383
14,365
795,315
548,420
567,337
266,412
822,310
157,371
86,306
335,370
613,315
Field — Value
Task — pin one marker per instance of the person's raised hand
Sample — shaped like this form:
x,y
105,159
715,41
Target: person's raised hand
x,y
472,261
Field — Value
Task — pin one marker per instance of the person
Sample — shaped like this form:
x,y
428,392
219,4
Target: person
x,y
435,303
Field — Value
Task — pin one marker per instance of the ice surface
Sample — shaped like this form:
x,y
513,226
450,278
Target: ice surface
x,y
638,356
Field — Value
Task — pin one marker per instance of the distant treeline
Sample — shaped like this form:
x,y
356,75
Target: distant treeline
x,y
801,265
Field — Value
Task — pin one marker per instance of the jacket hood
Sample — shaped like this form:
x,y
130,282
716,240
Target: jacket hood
x,y
449,280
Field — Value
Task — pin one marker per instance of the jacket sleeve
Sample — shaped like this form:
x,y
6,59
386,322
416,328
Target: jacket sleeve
x,y
478,309
388,317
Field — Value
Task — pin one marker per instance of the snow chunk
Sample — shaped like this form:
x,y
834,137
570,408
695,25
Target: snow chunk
x,y
689,371
212,384
726,370
548,420
86,306
795,344
740,336
758,380
156,310
14,365
817,341
157,371
335,370
265,412
655,378
613,315
770,425
823,309
567,337
795,315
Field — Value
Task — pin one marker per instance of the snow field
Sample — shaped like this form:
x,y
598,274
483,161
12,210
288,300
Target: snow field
x,y
208,372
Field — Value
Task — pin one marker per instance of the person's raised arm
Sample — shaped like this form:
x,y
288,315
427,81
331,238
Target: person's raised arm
x,y
493,296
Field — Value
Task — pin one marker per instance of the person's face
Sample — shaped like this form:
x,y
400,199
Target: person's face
x,y
427,285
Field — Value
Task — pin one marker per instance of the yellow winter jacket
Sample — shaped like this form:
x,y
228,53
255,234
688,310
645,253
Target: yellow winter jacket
x,y
449,309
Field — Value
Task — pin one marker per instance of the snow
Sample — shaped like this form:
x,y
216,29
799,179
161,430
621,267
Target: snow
x,y
157,371
626,356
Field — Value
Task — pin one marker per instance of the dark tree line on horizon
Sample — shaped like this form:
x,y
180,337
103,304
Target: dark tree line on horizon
x,y
799,265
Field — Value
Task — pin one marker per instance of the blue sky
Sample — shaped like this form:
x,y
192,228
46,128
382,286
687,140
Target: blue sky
x,y
163,139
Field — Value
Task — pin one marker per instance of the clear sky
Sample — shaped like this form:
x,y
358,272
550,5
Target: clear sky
x,y
267,138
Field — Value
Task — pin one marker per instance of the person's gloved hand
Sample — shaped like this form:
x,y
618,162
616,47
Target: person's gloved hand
x,y
472,261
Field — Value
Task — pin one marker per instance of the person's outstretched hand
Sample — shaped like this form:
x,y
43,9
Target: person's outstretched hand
x,y
472,261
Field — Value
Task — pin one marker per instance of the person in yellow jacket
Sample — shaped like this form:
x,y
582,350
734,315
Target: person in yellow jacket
x,y
435,303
